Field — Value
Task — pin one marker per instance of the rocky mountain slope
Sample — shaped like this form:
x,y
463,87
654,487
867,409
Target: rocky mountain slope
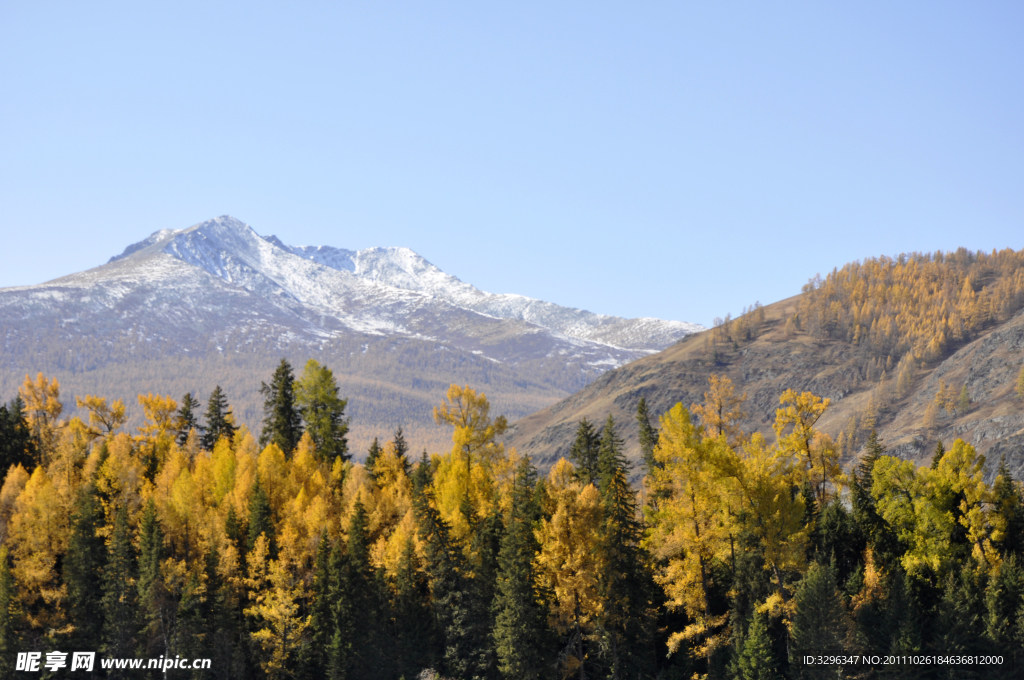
x,y
186,309
780,358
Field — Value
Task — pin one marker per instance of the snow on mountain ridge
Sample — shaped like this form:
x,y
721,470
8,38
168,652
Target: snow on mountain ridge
x,y
404,268
374,289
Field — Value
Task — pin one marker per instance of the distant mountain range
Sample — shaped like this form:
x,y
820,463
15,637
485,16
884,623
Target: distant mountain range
x,y
217,303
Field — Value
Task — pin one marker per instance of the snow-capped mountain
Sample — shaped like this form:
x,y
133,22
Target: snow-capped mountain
x,y
220,289
377,290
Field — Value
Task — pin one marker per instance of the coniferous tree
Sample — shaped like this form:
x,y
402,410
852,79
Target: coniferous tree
x,y
323,411
961,618
365,660
870,525
16,443
819,626
585,453
1009,511
940,451
757,659
83,567
234,531
464,642
414,635
371,458
222,631
282,424
339,650
120,595
648,435
321,623
8,617
520,630
156,607
191,623
261,520
218,420
402,449
627,583
1004,604
187,418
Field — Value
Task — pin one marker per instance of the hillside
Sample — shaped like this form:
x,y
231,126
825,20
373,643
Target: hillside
x,y
892,392
217,303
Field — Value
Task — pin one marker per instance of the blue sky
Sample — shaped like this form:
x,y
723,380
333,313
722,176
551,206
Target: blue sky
x,y
678,160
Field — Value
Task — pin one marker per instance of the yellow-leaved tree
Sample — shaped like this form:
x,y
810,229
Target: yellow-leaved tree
x,y
42,411
690,528
764,479
569,564
722,410
819,456
465,481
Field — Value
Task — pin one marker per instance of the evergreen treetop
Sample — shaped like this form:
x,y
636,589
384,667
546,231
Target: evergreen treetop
x,y
219,420
282,424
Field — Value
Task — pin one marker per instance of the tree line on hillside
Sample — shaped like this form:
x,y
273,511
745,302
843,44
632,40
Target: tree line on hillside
x,y
277,556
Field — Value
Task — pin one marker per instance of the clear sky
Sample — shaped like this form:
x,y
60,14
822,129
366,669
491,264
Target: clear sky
x,y
669,159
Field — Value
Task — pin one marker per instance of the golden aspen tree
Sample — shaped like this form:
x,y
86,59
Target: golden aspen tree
x,y
794,430
764,478
14,483
272,468
568,563
38,536
42,411
277,592
103,418
722,410
161,415
121,478
224,464
464,481
1019,388
689,528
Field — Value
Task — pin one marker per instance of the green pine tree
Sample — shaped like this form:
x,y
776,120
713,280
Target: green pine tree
x,y
648,435
402,449
339,649
585,453
323,411
1009,508
120,595
627,582
940,451
520,630
9,614
156,607
83,567
261,520
464,641
187,419
363,592
218,420
282,424
371,458
321,621
17,446
820,624
414,635
1004,602
757,659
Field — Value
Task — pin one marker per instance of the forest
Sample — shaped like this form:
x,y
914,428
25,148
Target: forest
x,y
275,555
